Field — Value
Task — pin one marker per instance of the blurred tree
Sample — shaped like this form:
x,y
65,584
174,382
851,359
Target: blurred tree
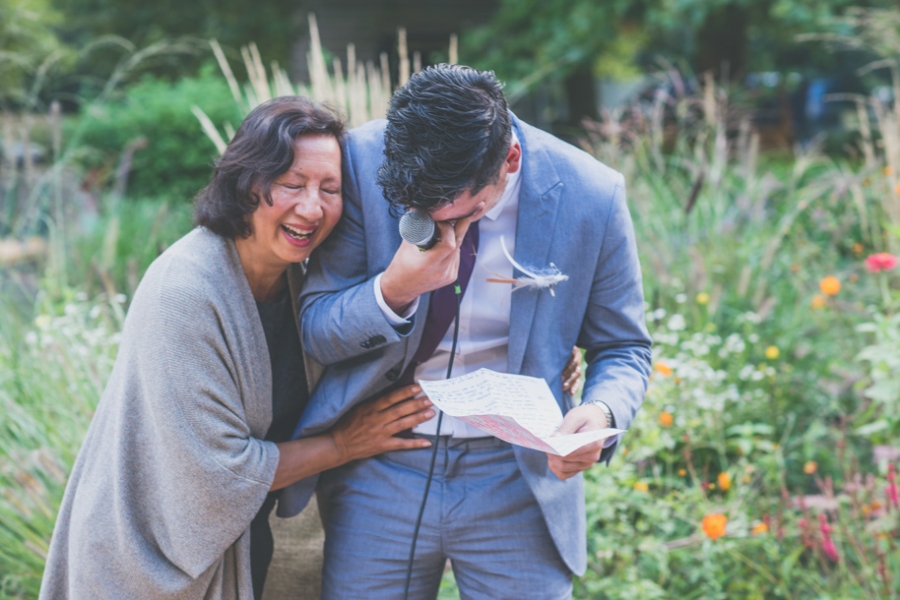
x,y
271,24
573,40
27,41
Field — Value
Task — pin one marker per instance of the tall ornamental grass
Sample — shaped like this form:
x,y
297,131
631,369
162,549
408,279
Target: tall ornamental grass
x,y
764,462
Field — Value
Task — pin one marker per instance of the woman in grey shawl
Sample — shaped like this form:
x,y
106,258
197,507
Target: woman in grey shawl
x,y
193,430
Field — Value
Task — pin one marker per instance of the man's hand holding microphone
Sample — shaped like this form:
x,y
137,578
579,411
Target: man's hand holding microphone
x,y
414,272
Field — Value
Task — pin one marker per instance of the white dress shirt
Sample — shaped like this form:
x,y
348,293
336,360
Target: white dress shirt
x,y
484,312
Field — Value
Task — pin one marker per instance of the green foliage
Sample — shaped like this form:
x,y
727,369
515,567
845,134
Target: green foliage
x,y
27,39
53,367
755,383
177,159
528,38
272,24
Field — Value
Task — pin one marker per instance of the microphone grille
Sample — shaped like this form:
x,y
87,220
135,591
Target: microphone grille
x,y
416,227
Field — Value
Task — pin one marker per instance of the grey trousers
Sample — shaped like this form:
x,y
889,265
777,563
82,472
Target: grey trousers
x,y
480,514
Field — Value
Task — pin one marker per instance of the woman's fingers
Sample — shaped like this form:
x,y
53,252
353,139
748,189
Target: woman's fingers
x,y
403,409
398,395
408,422
571,374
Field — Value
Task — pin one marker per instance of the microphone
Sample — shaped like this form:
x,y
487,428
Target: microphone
x,y
417,227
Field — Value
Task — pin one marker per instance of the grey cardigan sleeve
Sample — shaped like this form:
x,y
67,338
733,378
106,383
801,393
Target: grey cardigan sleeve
x,y
208,474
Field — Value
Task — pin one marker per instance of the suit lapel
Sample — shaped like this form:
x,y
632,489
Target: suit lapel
x,y
538,202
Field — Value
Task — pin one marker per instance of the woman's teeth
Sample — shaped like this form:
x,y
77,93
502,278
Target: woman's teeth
x,y
297,234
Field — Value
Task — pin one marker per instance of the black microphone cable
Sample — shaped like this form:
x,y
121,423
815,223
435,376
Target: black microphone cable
x,y
412,549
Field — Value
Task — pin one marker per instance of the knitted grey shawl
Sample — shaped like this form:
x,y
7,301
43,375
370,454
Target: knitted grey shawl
x,y
173,468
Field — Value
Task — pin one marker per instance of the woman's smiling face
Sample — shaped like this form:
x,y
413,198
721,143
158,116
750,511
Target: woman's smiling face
x,y
306,204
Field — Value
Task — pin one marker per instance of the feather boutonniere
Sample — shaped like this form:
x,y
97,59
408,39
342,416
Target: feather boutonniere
x,y
534,278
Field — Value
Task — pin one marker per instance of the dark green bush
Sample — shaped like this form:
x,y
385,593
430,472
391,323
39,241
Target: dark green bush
x,y
177,159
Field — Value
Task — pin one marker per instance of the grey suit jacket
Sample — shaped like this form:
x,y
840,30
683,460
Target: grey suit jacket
x,y
572,212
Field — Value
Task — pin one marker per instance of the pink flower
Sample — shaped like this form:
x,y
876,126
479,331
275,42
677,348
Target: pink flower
x,y
892,491
830,549
828,546
881,262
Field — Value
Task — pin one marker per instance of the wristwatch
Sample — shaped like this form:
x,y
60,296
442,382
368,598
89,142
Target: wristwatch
x,y
610,421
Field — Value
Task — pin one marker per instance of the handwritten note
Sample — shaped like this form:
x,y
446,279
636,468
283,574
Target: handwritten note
x,y
515,408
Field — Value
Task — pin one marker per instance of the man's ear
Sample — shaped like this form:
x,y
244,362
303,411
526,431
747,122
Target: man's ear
x,y
514,158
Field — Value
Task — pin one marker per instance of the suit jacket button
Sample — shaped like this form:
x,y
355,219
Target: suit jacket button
x,y
393,374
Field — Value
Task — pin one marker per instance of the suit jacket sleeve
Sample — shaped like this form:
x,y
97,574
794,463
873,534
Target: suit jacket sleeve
x,y
613,331
339,314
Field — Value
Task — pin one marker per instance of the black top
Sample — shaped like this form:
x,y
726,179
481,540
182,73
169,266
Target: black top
x,y
289,394
289,398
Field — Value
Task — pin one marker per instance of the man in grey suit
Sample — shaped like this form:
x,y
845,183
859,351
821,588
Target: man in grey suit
x,y
511,520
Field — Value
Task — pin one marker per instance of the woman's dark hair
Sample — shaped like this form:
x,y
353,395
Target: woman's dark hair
x,y
262,150
448,132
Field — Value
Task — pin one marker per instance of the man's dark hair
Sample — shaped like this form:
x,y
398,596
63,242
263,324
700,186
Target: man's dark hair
x,y
262,150
448,132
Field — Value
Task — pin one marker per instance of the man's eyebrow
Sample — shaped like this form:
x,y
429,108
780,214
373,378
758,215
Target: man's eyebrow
x,y
455,219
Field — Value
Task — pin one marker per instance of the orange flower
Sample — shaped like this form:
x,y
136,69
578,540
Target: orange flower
x,y
665,419
640,486
888,171
714,525
897,189
759,529
663,368
817,302
830,285
682,472
810,467
724,481
857,248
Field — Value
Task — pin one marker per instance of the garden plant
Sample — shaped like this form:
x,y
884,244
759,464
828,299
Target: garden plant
x,y
764,461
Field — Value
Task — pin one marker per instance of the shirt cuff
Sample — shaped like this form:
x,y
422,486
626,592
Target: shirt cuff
x,y
393,318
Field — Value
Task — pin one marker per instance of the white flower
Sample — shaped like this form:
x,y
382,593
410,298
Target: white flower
x,y
681,298
677,323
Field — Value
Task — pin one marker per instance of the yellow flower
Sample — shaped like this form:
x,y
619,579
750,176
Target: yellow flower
x,y
713,525
724,481
702,298
810,467
772,352
759,529
640,486
830,285
665,419
817,302
682,472
663,368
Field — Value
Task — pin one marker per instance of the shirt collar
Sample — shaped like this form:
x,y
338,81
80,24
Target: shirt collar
x,y
513,183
